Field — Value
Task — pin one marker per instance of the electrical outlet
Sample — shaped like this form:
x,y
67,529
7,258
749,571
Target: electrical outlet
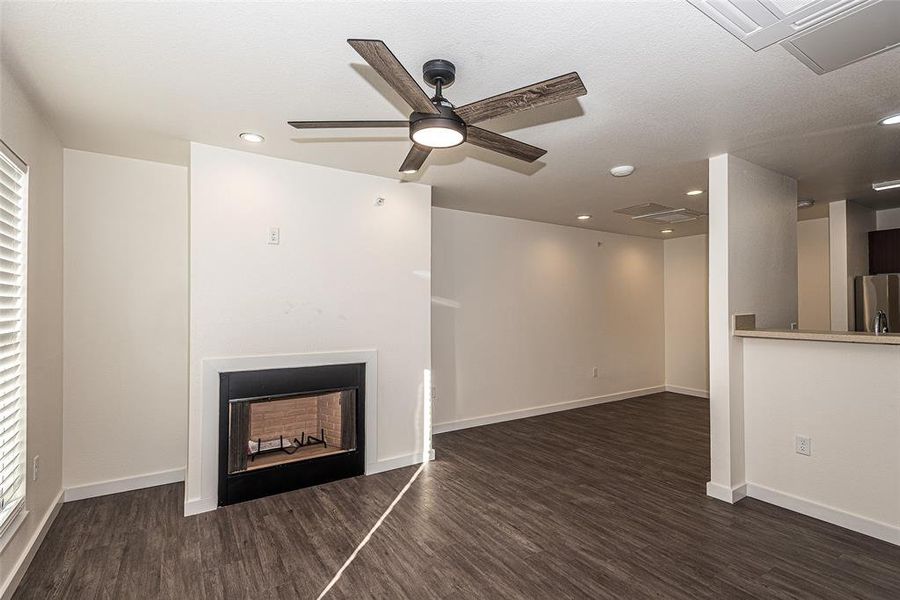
x,y
274,236
596,372
802,445
35,466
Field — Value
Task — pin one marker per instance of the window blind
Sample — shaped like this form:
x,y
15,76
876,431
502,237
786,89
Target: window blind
x,y
13,184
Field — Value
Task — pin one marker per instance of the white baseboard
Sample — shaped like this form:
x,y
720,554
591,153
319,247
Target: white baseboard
x,y
829,514
396,462
126,484
687,391
541,410
18,569
199,505
202,505
725,493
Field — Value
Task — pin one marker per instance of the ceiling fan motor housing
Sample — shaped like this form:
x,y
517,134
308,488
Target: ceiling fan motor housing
x,y
446,120
439,70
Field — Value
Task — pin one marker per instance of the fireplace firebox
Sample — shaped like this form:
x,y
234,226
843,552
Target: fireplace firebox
x,y
284,429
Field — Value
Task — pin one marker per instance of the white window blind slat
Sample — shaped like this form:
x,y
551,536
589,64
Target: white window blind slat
x,y
9,396
11,171
13,187
8,198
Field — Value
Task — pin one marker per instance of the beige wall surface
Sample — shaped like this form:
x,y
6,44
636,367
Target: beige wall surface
x,y
25,130
126,318
846,399
752,269
524,311
888,218
813,275
687,314
348,274
849,226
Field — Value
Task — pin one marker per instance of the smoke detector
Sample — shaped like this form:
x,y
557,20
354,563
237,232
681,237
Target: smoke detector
x,y
825,35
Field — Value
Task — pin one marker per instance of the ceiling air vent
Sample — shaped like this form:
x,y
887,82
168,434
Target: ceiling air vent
x,y
650,208
657,213
823,34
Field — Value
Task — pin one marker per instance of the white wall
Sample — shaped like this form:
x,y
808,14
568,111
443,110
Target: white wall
x,y
26,131
888,219
687,314
347,276
752,269
849,227
126,318
813,271
524,311
846,398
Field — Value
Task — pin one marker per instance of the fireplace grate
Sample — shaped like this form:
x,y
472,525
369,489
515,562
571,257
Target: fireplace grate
x,y
259,447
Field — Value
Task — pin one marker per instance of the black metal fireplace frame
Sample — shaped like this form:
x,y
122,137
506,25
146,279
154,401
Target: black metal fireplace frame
x,y
276,479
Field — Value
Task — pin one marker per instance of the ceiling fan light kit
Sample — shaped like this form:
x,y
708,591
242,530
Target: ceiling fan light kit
x,y
435,123
437,131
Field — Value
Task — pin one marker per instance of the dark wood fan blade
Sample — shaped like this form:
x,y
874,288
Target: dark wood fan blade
x,y
415,159
502,144
553,90
380,58
342,124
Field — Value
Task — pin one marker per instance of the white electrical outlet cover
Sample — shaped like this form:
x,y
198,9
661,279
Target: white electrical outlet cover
x,y
803,445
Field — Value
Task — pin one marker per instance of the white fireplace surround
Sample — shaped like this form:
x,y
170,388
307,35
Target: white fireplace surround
x,y
209,445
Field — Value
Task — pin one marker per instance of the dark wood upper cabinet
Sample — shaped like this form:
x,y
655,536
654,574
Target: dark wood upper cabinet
x,y
884,251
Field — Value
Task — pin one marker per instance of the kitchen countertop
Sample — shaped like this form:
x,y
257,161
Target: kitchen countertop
x,y
745,326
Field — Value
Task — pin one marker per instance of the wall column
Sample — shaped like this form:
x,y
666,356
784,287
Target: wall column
x,y
752,269
849,225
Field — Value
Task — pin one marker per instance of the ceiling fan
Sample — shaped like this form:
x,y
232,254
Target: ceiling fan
x,y
436,123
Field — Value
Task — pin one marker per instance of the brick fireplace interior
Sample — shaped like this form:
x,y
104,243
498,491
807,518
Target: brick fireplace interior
x,y
289,429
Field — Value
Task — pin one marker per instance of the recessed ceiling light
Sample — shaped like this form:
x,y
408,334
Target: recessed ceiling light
x,y
253,138
583,217
695,192
891,120
667,231
408,171
886,185
622,171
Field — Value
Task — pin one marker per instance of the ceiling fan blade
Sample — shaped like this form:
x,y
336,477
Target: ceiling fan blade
x,y
553,90
343,124
502,144
380,58
415,159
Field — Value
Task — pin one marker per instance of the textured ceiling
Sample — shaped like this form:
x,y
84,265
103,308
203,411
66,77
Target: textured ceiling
x,y
667,88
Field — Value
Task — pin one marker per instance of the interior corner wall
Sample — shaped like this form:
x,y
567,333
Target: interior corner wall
x,y
813,275
687,314
347,275
24,129
126,322
849,227
524,311
752,269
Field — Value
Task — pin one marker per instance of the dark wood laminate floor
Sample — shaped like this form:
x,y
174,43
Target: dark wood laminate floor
x,y
602,502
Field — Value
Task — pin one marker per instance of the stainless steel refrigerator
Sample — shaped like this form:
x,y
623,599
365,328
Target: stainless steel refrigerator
x,y
878,293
